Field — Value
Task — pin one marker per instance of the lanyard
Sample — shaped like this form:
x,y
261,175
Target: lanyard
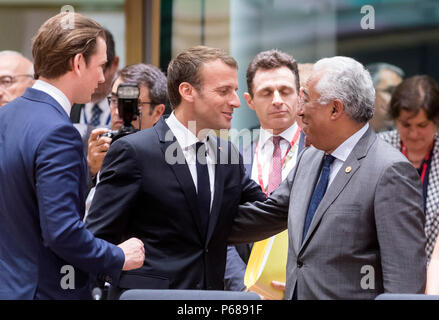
x,y
290,146
424,162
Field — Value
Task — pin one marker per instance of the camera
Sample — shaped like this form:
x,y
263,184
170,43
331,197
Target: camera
x,y
128,107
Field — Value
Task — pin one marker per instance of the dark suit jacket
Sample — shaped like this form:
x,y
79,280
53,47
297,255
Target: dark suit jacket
x,y
43,171
141,194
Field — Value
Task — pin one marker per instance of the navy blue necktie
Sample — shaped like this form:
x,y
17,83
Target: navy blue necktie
x,y
203,186
319,192
95,115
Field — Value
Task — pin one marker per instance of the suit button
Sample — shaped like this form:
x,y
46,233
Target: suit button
x,y
206,250
299,264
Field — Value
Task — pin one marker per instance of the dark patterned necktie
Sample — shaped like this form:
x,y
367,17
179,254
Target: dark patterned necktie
x,y
319,192
203,186
95,115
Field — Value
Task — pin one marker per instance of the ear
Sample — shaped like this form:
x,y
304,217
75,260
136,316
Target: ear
x,y
249,100
115,64
78,64
157,112
337,109
187,91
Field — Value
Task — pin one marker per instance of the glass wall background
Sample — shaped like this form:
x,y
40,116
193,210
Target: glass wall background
x,y
405,33
20,20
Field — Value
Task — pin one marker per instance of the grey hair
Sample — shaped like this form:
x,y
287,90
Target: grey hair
x,y
347,80
375,68
18,54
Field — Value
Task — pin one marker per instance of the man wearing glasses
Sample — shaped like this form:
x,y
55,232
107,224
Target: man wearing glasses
x,y
16,74
152,100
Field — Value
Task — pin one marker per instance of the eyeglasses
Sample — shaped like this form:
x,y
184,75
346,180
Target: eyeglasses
x,y
7,81
113,102
303,99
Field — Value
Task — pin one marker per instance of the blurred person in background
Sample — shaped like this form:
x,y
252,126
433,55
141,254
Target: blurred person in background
x,y
386,77
414,108
152,101
16,74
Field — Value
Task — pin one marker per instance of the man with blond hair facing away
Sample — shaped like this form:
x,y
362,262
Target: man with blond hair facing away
x,y
45,250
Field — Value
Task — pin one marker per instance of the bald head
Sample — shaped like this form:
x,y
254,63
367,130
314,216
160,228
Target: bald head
x,y
16,74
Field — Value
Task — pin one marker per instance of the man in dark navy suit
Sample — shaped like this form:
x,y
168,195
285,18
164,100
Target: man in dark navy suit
x,y
45,250
176,186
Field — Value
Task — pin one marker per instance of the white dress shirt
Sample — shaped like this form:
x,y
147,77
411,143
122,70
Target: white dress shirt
x,y
187,141
344,150
55,93
265,153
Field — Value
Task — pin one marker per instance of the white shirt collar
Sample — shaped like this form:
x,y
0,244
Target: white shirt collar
x,y
287,134
183,135
103,104
343,150
55,93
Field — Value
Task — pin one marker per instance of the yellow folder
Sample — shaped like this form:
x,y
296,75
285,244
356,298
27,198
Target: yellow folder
x,y
267,262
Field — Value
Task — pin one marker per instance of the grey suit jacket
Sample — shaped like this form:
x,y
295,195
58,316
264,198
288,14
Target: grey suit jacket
x,y
366,236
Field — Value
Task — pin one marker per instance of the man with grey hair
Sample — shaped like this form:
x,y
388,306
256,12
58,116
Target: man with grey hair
x,y
353,204
16,74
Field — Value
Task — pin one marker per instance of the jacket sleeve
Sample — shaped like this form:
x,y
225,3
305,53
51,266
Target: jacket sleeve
x,y
58,169
257,219
115,194
399,220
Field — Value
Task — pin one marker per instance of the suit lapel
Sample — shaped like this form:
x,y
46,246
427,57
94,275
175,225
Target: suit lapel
x,y
340,181
75,113
179,166
301,195
301,145
219,185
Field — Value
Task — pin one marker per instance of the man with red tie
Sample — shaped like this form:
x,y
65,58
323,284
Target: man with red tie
x,y
273,88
